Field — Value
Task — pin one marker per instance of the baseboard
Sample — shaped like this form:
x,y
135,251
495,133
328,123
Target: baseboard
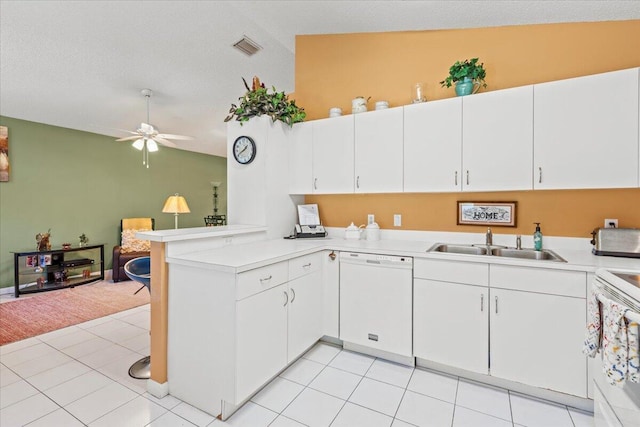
x,y
7,290
397,358
156,389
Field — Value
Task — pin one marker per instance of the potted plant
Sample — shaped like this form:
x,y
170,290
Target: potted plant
x,y
258,101
466,75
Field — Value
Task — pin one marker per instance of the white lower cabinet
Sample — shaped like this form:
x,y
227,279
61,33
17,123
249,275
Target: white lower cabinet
x,y
537,322
261,339
536,339
451,324
304,321
527,325
277,325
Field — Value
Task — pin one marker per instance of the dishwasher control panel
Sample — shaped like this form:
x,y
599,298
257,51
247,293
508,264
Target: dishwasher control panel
x,y
367,258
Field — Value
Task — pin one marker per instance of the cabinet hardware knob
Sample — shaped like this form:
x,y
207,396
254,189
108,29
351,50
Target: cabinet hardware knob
x,y
496,305
286,298
456,178
358,181
266,279
539,174
315,183
293,295
481,302
332,256
467,177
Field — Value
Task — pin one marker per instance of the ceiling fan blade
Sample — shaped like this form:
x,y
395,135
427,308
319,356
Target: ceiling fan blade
x,y
170,136
128,138
164,142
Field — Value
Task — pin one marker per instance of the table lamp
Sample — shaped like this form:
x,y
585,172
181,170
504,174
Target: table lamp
x,y
176,205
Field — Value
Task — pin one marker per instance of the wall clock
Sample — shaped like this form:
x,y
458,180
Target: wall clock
x,y
244,150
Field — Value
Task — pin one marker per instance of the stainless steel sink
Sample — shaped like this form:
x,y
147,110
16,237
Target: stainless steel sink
x,y
459,249
544,255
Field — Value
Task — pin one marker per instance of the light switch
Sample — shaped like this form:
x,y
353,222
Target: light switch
x,y
397,220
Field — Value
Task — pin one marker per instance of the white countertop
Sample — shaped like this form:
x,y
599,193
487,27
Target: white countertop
x,y
247,256
180,234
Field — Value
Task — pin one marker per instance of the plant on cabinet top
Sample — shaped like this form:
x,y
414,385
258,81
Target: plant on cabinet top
x,y
258,101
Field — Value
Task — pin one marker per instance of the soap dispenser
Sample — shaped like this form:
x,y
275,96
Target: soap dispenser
x,y
537,238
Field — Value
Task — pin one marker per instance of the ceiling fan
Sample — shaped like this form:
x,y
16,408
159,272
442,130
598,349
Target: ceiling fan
x,y
146,138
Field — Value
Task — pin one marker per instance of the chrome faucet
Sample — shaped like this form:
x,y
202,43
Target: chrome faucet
x,y
489,237
518,242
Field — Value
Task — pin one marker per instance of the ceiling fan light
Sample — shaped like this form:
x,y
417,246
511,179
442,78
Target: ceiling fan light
x,y
138,144
152,146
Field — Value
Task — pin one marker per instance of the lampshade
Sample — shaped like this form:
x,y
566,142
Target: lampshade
x,y
138,144
176,204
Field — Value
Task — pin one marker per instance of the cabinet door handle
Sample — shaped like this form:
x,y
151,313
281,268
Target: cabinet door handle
x,y
456,178
315,183
306,265
358,181
286,298
539,174
293,295
496,305
481,302
266,279
332,256
467,177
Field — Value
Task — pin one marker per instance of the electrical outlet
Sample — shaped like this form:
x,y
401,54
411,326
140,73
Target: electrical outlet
x,y
397,220
610,223
371,218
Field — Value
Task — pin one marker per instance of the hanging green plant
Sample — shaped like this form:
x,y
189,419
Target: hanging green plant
x,y
258,101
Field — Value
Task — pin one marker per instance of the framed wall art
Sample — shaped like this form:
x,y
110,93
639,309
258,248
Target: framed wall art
x,y
487,213
5,167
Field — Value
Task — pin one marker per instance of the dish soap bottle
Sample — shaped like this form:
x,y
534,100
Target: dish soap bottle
x,y
537,238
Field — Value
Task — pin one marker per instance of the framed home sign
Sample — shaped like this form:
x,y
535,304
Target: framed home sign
x,y
487,213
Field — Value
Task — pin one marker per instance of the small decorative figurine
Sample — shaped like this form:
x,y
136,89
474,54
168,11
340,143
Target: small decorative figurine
x,y
43,242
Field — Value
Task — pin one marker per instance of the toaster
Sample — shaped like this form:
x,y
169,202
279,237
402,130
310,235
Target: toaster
x,y
623,242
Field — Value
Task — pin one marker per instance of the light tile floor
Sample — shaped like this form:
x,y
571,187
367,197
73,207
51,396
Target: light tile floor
x,y
77,376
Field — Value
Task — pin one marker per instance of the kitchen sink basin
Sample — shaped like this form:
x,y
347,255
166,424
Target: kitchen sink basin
x,y
459,249
544,255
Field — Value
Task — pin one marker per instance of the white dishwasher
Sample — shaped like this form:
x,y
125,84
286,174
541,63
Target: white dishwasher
x,y
376,304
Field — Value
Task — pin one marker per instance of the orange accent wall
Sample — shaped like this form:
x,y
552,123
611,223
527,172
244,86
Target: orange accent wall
x,y
333,69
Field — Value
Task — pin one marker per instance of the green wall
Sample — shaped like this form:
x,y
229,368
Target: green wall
x,y
78,182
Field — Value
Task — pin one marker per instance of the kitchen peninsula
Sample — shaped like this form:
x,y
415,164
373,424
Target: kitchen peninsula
x,y
241,310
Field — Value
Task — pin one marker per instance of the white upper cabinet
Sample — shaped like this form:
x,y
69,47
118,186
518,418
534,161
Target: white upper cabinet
x,y
433,146
378,151
300,147
586,132
333,153
497,135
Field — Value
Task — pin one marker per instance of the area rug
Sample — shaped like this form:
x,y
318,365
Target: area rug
x,y
48,311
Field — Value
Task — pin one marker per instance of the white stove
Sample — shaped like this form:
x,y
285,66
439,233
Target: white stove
x,y
613,405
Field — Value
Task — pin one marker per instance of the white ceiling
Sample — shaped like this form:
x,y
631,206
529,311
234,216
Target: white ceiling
x,y
82,64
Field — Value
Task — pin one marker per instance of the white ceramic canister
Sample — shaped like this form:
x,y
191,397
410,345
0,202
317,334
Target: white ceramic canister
x,y
335,112
358,105
373,231
381,105
352,232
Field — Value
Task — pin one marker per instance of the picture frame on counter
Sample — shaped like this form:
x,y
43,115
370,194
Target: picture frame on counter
x,y
501,214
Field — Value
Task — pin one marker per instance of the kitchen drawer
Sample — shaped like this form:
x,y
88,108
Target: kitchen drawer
x,y
303,265
546,281
253,281
471,273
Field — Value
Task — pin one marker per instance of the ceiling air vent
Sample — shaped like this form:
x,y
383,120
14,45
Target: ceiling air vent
x,y
247,46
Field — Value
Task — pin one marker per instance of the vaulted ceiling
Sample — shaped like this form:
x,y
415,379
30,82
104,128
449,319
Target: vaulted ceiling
x,y
82,64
